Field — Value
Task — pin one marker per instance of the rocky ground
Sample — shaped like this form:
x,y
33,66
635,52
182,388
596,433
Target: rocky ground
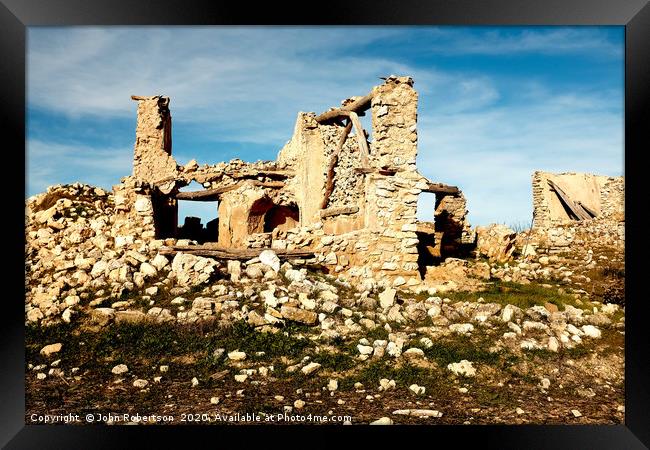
x,y
114,327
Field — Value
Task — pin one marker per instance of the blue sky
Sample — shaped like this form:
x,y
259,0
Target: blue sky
x,y
496,103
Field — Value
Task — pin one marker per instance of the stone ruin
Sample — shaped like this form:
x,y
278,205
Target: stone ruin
x,y
572,209
345,198
567,197
336,193
337,198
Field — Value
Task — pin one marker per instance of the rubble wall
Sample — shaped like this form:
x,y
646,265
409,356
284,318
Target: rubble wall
x,y
450,217
612,199
152,160
134,213
601,194
367,226
306,154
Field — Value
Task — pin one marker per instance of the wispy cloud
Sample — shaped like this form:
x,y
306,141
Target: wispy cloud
x,y
51,163
542,40
491,154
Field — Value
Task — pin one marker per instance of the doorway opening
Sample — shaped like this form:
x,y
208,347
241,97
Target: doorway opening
x,y
198,220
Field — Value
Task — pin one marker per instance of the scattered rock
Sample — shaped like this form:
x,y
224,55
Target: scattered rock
x,y
51,349
418,412
139,383
387,298
269,258
120,369
310,368
591,331
299,315
382,421
464,368
237,356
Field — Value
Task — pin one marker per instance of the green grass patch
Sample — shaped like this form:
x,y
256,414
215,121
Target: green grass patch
x,y
160,342
334,361
521,295
379,333
403,372
448,351
490,396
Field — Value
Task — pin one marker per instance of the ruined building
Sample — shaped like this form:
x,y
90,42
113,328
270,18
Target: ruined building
x,y
577,210
347,196
566,197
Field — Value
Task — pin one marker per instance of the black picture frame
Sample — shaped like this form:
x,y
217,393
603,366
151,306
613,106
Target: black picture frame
x,y
16,15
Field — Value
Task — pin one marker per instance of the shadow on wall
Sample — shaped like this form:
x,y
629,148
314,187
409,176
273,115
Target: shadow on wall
x,y
440,240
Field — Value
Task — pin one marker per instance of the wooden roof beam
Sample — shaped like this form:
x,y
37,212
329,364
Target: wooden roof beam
x,y
209,195
440,188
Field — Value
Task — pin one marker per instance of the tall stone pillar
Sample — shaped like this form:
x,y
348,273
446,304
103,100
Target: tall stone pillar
x,y
152,160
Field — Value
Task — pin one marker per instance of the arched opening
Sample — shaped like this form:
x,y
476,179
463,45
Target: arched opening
x,y
282,217
257,213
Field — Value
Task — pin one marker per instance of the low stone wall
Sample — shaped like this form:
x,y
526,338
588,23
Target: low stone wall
x,y
560,238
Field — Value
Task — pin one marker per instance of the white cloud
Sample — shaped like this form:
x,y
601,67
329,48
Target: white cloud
x,y
491,154
544,40
51,163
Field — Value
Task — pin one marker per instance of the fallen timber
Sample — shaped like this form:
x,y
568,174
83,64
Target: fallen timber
x,y
231,253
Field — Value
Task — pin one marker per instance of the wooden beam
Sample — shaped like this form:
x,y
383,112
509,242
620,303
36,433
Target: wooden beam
x,y
361,104
277,173
384,171
439,188
329,186
358,129
361,137
213,194
339,210
231,253
578,212
588,210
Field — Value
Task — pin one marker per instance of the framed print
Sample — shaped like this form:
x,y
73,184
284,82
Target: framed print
x,y
241,221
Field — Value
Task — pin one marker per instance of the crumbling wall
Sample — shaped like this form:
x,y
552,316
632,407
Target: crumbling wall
x,y
555,232
593,191
367,228
152,160
348,183
612,199
392,189
241,213
345,206
134,212
306,154
352,202
450,218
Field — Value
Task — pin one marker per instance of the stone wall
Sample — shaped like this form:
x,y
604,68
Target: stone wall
x,y
134,213
365,228
450,218
601,194
152,160
562,238
392,190
375,236
612,199
306,155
